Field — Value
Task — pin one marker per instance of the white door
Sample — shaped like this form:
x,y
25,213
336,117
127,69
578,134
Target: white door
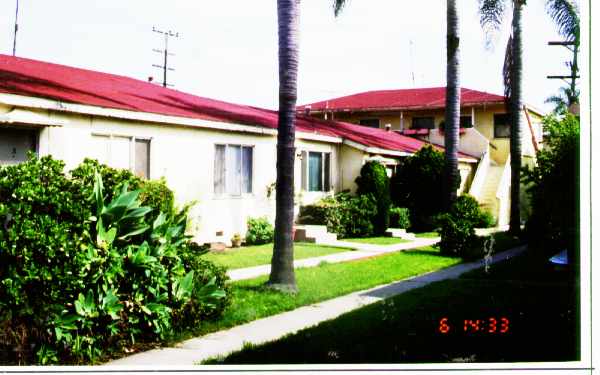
x,y
15,143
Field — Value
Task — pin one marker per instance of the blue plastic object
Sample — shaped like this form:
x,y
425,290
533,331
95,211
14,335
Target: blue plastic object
x,y
560,258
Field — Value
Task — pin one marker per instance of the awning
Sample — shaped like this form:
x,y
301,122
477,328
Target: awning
x,y
25,117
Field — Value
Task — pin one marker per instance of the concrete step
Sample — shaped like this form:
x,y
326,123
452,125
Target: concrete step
x,y
307,231
399,233
321,238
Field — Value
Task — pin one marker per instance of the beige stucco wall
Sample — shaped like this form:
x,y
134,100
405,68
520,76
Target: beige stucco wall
x,y
184,156
484,123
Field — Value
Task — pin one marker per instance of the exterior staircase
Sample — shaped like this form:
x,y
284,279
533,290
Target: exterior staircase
x,y
314,233
490,187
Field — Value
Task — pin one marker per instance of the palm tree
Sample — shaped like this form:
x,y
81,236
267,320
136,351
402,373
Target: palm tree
x,y
492,13
452,116
452,120
282,275
564,100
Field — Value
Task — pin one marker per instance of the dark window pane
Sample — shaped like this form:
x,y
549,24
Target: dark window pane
x,y
423,123
219,169
370,122
465,122
327,171
315,171
247,169
142,158
501,125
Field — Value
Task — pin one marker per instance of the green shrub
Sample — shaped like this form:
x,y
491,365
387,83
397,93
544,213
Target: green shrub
x,y
259,231
486,220
417,185
399,217
457,227
373,180
327,212
204,271
554,189
153,193
343,214
82,274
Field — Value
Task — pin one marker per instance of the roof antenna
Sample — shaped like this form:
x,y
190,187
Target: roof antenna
x,y
165,53
16,29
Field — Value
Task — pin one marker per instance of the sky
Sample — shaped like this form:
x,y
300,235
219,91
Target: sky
x,y
227,49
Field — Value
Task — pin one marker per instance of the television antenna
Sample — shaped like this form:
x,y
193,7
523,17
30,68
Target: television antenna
x,y
165,52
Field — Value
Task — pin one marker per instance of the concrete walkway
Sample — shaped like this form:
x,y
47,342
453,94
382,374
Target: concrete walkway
x,y
271,328
362,251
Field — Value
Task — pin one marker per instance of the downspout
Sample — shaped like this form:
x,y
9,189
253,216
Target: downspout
x,y
533,140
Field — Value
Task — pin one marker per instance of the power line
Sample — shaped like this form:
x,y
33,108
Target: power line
x,y
165,53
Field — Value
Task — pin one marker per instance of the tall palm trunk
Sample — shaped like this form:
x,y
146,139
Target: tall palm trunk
x,y
516,103
282,264
452,120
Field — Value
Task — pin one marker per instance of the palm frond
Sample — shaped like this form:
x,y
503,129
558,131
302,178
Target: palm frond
x,y
338,6
565,13
491,14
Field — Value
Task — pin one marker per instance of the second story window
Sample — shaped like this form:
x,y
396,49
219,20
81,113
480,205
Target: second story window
x,y
423,123
233,169
466,122
370,122
501,125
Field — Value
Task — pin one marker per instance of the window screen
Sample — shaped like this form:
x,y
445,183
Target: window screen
x,y
219,173
423,123
142,158
315,171
370,122
233,169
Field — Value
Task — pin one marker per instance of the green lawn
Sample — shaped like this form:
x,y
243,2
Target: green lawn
x,y
249,256
538,302
377,240
427,235
252,301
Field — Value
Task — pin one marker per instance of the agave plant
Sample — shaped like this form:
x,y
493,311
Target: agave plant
x,y
122,218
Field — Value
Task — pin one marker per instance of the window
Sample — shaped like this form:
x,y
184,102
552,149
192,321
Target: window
x,y
122,152
423,123
465,122
233,169
142,158
316,171
370,122
501,125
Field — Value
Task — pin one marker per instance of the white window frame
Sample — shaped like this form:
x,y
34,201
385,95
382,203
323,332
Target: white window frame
x,y
305,171
242,194
131,139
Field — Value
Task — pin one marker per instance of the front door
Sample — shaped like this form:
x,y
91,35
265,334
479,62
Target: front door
x,y
15,143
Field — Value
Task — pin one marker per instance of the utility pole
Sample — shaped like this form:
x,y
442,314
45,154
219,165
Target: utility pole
x,y
16,29
572,46
165,53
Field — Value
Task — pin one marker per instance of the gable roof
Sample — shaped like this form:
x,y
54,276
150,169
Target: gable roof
x,y
32,78
422,98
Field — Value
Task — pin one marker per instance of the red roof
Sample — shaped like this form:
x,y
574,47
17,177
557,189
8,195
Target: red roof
x,y
423,98
34,78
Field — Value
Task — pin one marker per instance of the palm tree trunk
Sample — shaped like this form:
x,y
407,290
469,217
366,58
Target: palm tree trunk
x,y
282,264
452,120
516,118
